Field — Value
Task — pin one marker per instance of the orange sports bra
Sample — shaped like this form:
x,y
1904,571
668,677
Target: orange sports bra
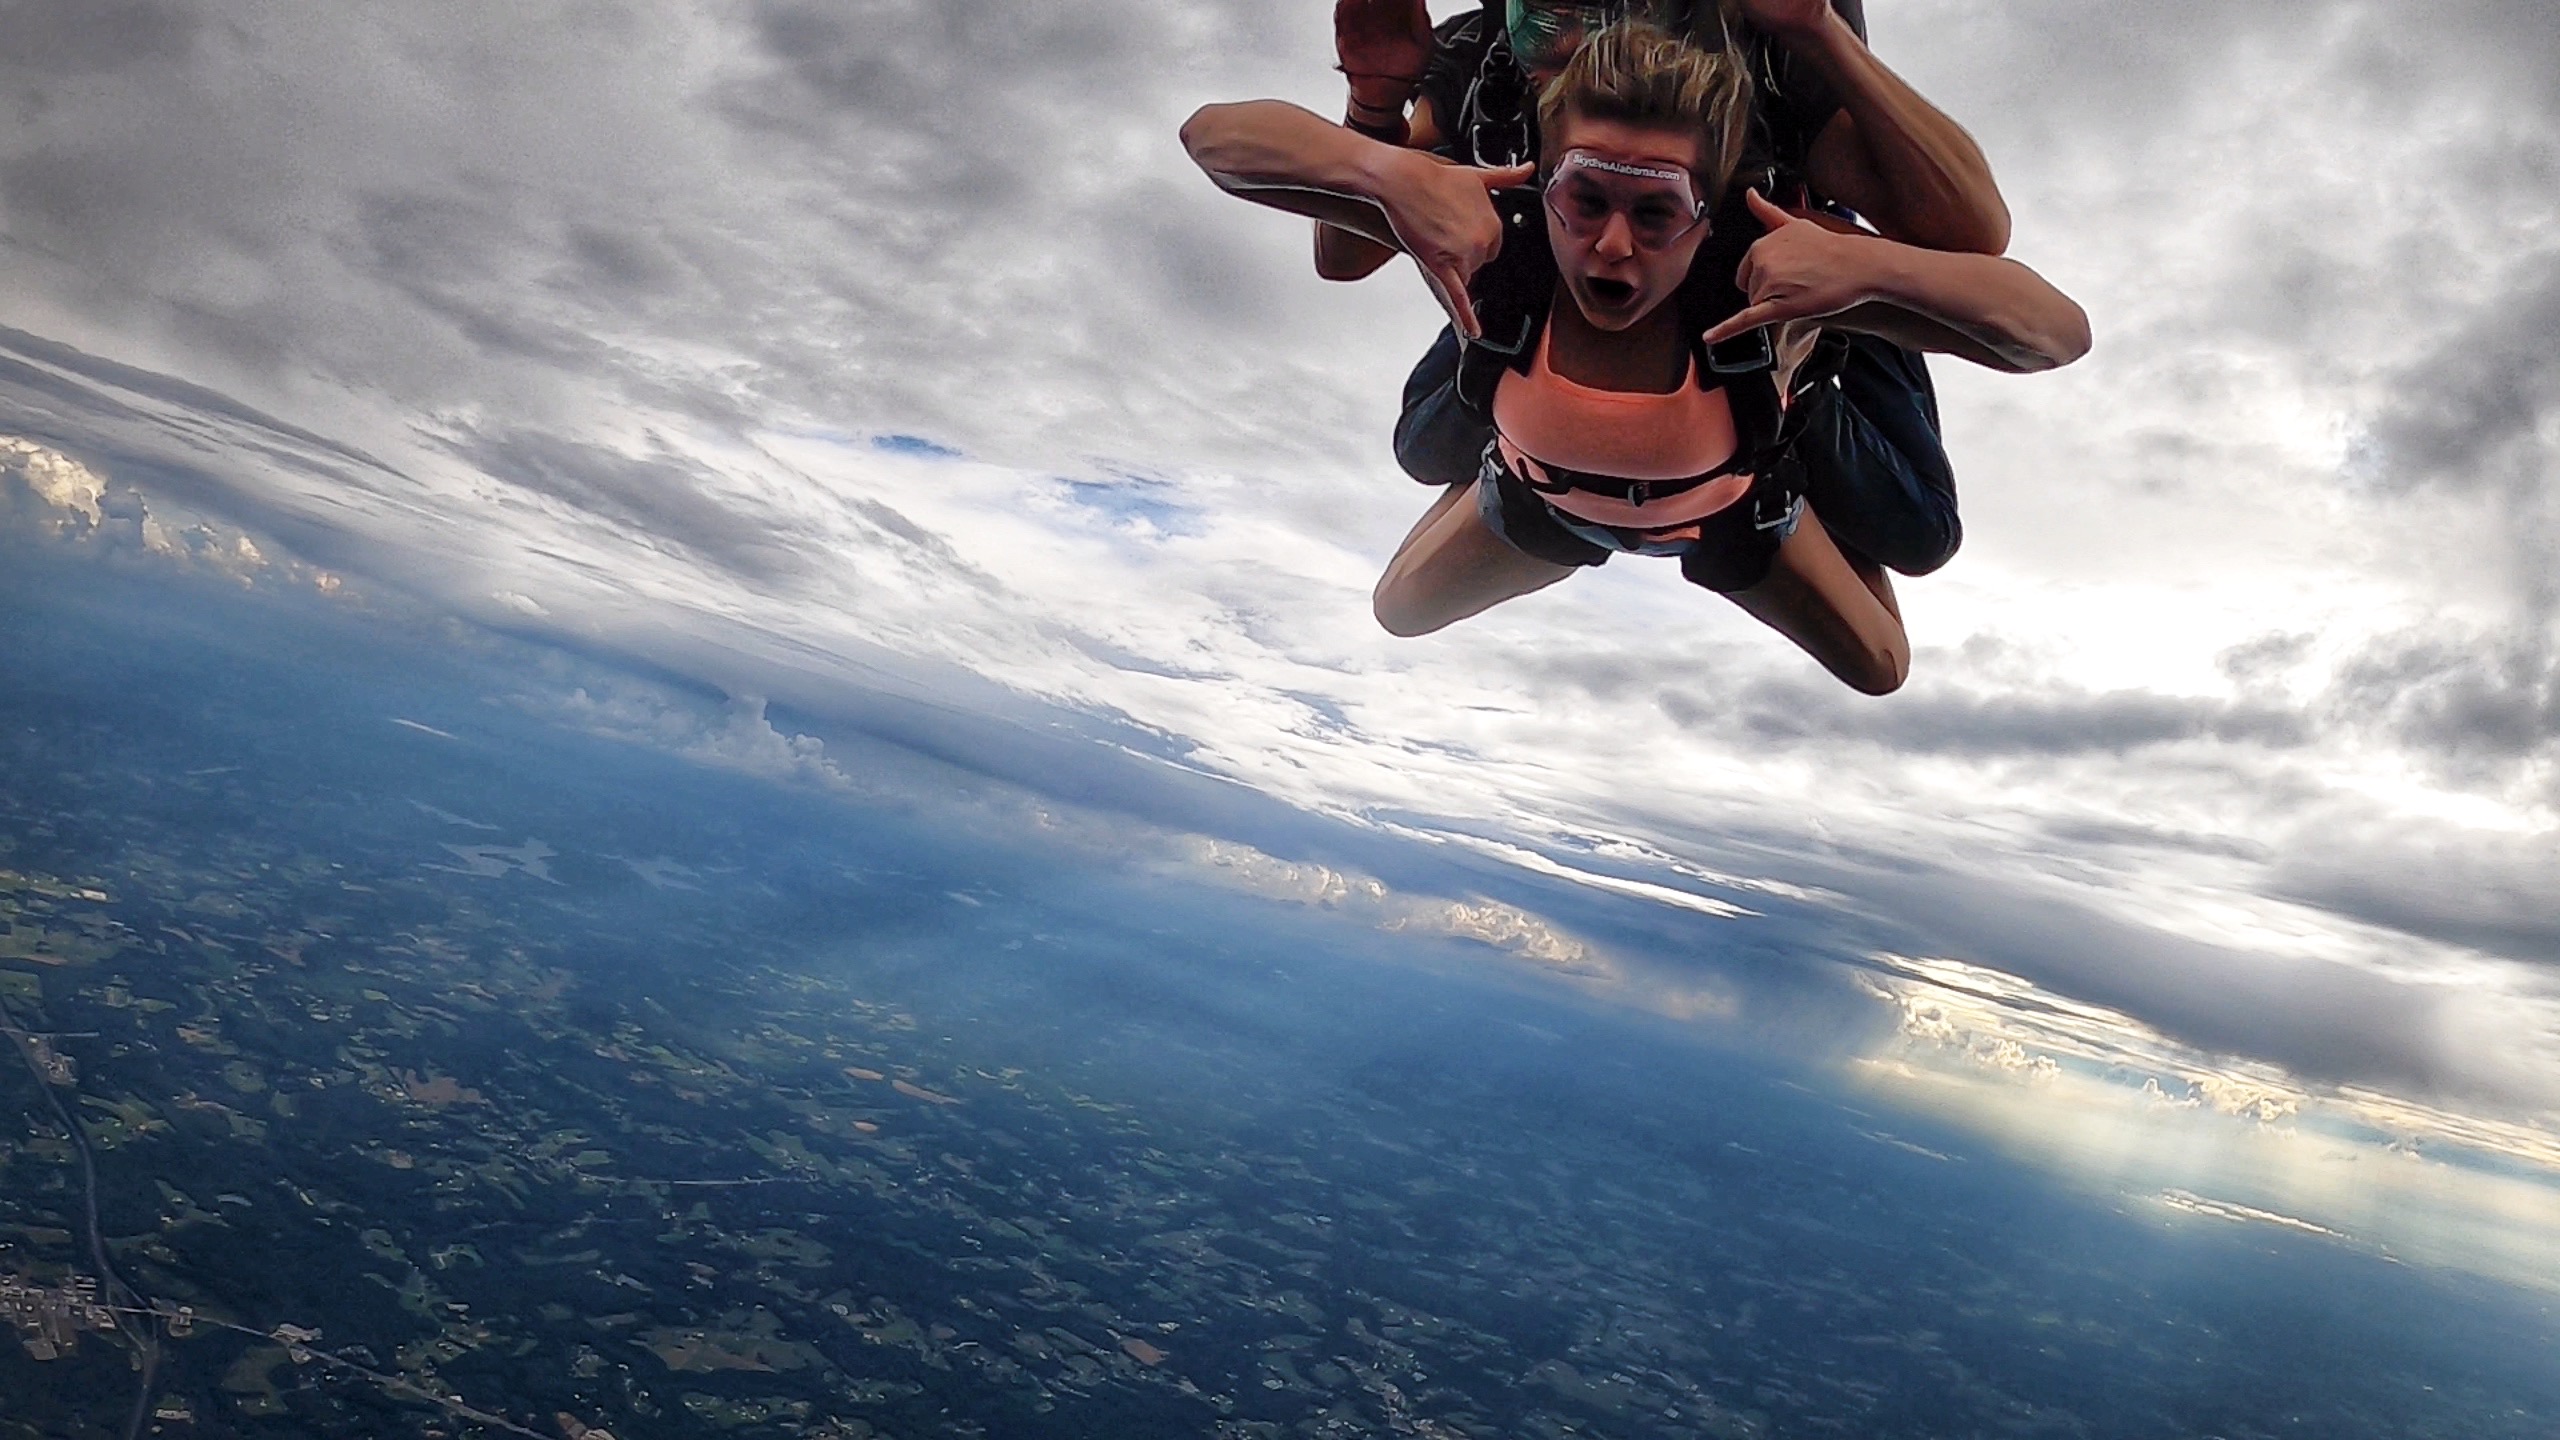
x,y
1621,458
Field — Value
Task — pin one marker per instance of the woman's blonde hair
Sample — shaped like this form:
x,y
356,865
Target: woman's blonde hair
x,y
1638,73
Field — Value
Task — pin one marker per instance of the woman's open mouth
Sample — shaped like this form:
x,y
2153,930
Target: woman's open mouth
x,y
1612,293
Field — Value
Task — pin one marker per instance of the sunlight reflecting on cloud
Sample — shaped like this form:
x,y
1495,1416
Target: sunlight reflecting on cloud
x,y
1634,981
2111,1103
73,502
56,479
2185,1203
1486,922
1538,863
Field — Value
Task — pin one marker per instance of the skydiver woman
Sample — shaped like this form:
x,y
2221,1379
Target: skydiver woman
x,y
1592,326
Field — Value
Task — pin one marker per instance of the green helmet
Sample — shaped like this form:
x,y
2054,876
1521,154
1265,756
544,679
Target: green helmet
x,y
1545,33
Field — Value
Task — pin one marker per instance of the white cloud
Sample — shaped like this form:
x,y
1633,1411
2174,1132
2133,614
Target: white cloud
x,y
60,482
739,739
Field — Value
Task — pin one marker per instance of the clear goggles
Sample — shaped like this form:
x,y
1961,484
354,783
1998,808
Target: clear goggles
x,y
1660,203
1544,34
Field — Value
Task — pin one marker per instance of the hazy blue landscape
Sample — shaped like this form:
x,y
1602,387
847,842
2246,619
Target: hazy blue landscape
x,y
586,1085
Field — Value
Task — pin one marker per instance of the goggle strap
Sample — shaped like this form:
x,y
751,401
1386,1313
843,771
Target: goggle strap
x,y
1588,161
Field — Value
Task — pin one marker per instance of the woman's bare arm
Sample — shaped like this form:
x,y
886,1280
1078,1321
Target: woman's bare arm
x,y
1276,154
1984,308
1349,255
1273,153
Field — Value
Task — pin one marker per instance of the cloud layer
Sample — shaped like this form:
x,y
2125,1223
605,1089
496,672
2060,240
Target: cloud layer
x,y
832,352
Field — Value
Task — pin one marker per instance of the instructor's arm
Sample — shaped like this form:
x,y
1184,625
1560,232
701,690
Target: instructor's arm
x,y
1888,154
1383,49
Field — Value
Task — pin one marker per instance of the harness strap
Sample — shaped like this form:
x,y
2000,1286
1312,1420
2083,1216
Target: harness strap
x,y
1559,480
1498,127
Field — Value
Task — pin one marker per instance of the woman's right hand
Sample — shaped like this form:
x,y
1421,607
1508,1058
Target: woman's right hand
x,y
1444,218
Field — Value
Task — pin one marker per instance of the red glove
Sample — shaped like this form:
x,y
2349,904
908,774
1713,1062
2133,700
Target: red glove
x,y
1382,46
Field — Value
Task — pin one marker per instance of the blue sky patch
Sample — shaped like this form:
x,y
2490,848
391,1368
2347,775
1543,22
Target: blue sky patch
x,y
1129,500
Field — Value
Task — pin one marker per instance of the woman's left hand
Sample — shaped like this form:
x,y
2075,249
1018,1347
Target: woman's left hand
x,y
1798,271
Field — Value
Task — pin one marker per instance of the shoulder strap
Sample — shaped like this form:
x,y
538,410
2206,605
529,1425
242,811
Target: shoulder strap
x,y
1449,75
1709,294
1746,366
1500,124
1512,294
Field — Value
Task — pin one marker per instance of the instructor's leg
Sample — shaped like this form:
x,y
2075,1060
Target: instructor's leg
x,y
1452,566
1437,441
1875,465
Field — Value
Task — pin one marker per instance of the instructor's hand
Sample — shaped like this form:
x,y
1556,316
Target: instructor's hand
x,y
1382,45
1798,271
1443,215
1784,20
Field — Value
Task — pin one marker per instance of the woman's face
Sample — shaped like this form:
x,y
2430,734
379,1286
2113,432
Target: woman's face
x,y
1613,276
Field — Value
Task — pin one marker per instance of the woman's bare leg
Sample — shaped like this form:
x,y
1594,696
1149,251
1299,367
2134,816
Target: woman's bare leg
x,y
1844,619
1879,583
1452,567
1449,495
